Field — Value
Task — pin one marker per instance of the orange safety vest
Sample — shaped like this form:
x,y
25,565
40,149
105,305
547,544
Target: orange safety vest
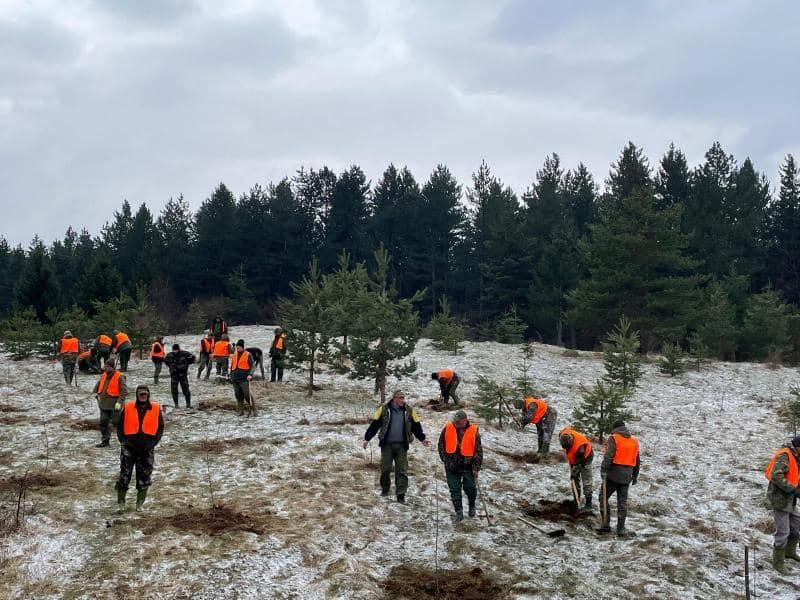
x,y
122,338
541,409
149,424
104,339
627,450
279,342
85,355
206,345
445,376
579,440
467,442
113,384
69,345
222,348
792,475
240,363
157,350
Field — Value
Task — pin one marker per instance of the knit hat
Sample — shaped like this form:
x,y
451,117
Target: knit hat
x,y
111,363
566,439
459,415
142,388
796,441
67,333
240,344
618,423
176,347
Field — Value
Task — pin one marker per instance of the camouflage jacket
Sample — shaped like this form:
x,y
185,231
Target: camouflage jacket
x,y
106,402
380,424
780,493
456,462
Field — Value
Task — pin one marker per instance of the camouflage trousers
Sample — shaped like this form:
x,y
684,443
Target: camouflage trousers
x,y
143,461
546,427
205,364
786,524
582,475
394,453
68,368
221,365
241,391
106,418
450,391
158,364
455,481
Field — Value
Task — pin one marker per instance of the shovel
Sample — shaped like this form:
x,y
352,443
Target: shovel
x,y
556,533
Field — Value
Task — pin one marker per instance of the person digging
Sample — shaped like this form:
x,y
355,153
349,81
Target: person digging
x,y
537,412
461,452
140,426
448,384
783,474
396,425
578,450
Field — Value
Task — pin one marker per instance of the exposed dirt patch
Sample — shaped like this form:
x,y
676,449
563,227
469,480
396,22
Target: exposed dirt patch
x,y
224,404
86,424
9,408
436,406
220,520
551,510
533,458
33,481
303,421
218,445
350,421
13,420
410,581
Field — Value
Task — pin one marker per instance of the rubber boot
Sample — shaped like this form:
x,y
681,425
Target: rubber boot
x,y
140,497
778,560
545,448
588,504
401,498
458,517
791,548
121,501
240,408
471,511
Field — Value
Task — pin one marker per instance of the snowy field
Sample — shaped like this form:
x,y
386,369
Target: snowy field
x,y
303,518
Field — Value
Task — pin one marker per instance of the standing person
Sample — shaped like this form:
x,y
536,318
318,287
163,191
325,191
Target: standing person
x,y
218,328
206,348
122,346
578,450
277,353
68,352
619,470
539,413
103,345
140,426
462,454
396,425
157,354
783,474
178,362
241,374
110,392
222,350
448,383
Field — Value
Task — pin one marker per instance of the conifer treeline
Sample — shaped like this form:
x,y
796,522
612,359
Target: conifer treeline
x,y
710,251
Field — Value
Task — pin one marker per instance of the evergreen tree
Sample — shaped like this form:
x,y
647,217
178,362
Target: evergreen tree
x,y
242,308
143,322
314,192
747,222
386,329
217,247
445,331
765,329
790,412
784,226
306,320
672,181
523,382
37,287
101,283
344,289
672,359
346,228
717,329
697,349
21,333
621,358
600,407
631,171
175,234
509,328
491,400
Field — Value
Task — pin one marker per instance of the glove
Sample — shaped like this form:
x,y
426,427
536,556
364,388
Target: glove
x,y
574,472
117,406
634,481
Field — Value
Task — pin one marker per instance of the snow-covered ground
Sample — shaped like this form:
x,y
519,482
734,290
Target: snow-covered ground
x,y
324,531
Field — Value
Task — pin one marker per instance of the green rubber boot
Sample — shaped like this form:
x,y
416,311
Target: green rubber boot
x,y
778,560
120,501
791,548
140,496
240,407
545,448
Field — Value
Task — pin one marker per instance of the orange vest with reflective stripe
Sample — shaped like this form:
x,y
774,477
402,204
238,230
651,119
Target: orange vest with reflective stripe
x,y
467,441
157,350
239,362
541,409
792,475
627,449
149,424
113,384
69,345
122,338
104,339
206,346
579,440
445,376
222,348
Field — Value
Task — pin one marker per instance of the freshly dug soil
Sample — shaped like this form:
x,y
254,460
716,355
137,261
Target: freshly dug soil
x,y
533,458
350,421
550,510
217,521
411,581
218,445
33,481
86,424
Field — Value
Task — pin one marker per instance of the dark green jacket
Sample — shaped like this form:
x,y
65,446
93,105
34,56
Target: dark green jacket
x,y
380,424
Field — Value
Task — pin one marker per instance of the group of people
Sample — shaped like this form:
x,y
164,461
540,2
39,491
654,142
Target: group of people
x,y
396,424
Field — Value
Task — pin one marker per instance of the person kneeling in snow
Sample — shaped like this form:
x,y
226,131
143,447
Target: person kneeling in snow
x,y
140,426
461,452
783,473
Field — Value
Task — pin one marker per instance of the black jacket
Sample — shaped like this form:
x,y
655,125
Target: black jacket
x,y
178,362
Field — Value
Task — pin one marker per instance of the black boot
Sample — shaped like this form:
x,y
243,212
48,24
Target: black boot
x,y
102,444
458,517
471,511
401,498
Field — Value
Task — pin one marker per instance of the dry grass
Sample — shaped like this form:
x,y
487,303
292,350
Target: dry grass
x,y
219,445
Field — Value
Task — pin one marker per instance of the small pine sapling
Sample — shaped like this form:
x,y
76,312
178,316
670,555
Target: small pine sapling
x,y
672,360
698,351
445,331
621,358
601,406
509,328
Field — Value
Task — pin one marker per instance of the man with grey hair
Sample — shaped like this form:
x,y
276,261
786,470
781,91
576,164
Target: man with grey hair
x,y
396,425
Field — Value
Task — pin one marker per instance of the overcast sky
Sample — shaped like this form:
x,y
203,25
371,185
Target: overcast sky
x,y
145,100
